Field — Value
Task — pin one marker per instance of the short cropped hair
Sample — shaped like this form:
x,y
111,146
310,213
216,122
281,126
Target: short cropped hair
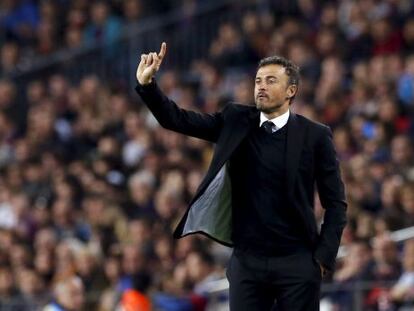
x,y
292,71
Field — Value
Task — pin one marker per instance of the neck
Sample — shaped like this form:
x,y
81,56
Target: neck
x,y
274,114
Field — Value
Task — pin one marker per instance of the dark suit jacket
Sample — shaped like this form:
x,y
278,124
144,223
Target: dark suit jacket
x,y
310,158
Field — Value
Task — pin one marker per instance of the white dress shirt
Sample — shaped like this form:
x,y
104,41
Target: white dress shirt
x,y
279,121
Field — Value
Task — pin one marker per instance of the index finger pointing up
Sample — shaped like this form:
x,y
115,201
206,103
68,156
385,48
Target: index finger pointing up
x,y
163,49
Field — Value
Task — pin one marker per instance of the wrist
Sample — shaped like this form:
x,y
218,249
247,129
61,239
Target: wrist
x,y
144,81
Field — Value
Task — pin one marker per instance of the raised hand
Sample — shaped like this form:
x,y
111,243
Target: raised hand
x,y
149,65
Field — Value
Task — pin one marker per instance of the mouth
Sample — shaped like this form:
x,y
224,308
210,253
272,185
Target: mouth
x,y
262,95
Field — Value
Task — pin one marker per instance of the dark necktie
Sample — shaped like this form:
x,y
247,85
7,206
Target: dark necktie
x,y
269,126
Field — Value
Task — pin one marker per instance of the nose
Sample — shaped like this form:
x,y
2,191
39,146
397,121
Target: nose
x,y
261,86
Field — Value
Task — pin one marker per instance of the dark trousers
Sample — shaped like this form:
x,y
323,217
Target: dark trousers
x,y
285,283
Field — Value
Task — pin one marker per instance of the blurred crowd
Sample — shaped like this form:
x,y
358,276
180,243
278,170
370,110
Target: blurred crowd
x,y
91,186
33,28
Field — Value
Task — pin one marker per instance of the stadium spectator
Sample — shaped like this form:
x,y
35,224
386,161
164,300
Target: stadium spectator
x,y
202,273
402,293
69,295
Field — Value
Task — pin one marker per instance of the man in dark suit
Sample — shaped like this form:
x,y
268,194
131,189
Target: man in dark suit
x,y
258,193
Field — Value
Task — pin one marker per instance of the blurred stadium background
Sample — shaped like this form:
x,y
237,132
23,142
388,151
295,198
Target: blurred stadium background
x,y
91,187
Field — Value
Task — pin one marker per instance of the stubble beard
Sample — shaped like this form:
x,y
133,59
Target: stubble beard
x,y
268,109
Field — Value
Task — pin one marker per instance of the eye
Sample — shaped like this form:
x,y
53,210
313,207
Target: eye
x,y
272,80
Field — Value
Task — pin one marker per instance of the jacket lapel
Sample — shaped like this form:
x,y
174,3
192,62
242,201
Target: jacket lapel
x,y
239,130
295,140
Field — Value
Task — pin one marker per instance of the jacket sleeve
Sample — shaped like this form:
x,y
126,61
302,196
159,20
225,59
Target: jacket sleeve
x,y
170,116
332,197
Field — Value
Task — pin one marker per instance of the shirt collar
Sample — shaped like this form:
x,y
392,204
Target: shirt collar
x,y
279,121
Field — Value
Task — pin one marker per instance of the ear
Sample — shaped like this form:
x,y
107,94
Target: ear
x,y
291,90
